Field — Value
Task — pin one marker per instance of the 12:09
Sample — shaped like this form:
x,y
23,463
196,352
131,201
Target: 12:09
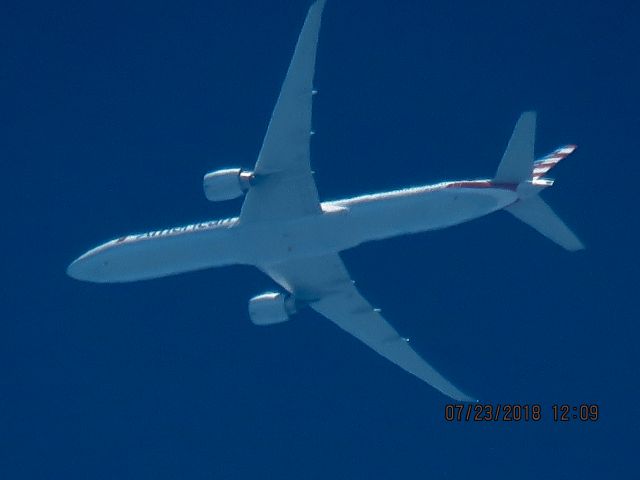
x,y
584,412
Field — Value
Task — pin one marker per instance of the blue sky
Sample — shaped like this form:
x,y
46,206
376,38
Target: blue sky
x,y
113,112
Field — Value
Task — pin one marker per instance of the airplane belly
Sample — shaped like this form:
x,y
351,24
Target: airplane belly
x,y
269,243
153,257
342,225
429,211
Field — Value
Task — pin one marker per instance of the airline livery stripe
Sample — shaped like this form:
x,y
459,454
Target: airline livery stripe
x,y
546,163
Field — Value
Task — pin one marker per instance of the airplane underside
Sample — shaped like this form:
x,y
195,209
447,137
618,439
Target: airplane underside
x,y
343,224
289,234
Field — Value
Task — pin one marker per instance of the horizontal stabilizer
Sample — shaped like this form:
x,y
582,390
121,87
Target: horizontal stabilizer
x,y
517,161
537,214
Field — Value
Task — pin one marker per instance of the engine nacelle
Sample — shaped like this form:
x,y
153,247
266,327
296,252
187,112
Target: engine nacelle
x,y
226,184
270,308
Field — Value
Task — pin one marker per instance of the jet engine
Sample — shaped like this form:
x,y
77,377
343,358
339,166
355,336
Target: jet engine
x,y
270,308
226,184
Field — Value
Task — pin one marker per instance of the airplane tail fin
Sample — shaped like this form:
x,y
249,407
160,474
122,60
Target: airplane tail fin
x,y
518,168
546,163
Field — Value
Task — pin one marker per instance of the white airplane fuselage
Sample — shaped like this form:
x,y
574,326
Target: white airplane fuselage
x,y
285,231
343,224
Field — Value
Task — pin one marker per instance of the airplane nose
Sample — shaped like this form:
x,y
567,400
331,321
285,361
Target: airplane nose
x,y
77,269
89,267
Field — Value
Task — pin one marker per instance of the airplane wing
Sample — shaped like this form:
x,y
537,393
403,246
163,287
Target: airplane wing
x,y
283,187
325,284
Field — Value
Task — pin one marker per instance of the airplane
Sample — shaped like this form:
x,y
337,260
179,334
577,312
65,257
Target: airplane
x,y
285,230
